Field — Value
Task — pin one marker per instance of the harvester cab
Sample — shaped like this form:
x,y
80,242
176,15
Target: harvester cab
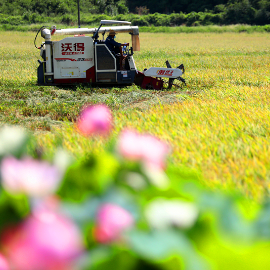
x,y
82,57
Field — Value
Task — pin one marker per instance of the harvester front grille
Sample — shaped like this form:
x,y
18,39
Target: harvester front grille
x,y
106,77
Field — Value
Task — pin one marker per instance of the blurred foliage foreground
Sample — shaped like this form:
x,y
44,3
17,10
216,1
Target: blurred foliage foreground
x,y
119,208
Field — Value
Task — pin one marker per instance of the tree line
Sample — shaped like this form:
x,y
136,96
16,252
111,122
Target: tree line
x,y
147,12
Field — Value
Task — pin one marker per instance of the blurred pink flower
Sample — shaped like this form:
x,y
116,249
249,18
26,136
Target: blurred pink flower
x,y
44,241
48,203
112,221
3,263
95,120
32,177
145,148
129,145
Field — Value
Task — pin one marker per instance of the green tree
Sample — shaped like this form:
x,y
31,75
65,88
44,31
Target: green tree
x,y
240,12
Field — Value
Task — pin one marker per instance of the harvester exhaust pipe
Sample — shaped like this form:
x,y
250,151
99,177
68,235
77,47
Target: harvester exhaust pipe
x,y
46,34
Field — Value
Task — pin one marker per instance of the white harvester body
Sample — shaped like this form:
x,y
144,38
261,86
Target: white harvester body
x,y
73,56
86,59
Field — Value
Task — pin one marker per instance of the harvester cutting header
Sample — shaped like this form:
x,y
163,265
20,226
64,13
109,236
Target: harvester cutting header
x,y
88,59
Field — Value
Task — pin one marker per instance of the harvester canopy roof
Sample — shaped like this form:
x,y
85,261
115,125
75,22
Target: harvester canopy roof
x,y
79,31
133,30
113,22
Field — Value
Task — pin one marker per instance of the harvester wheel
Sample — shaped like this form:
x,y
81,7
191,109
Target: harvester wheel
x,y
175,83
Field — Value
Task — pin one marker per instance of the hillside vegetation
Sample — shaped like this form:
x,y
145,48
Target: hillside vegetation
x,y
143,13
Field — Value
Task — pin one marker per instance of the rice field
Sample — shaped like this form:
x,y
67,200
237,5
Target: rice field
x,y
217,125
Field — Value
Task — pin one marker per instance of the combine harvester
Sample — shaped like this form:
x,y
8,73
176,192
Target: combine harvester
x,y
86,59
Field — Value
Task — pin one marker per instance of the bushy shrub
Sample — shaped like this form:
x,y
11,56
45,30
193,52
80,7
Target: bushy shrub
x,y
127,17
68,19
219,8
4,19
158,19
12,20
140,21
177,18
192,18
267,28
236,13
218,19
210,18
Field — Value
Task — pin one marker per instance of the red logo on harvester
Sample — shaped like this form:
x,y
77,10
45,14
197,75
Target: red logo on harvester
x,y
165,72
79,47
70,49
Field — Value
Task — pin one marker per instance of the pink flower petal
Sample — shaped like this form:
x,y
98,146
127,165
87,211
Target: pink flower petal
x,y
129,145
3,263
145,148
45,241
95,120
112,220
29,176
154,151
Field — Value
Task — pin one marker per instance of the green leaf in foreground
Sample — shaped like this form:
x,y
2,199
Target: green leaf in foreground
x,y
161,246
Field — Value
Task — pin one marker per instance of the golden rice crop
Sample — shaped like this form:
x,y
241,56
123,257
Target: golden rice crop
x,y
220,122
